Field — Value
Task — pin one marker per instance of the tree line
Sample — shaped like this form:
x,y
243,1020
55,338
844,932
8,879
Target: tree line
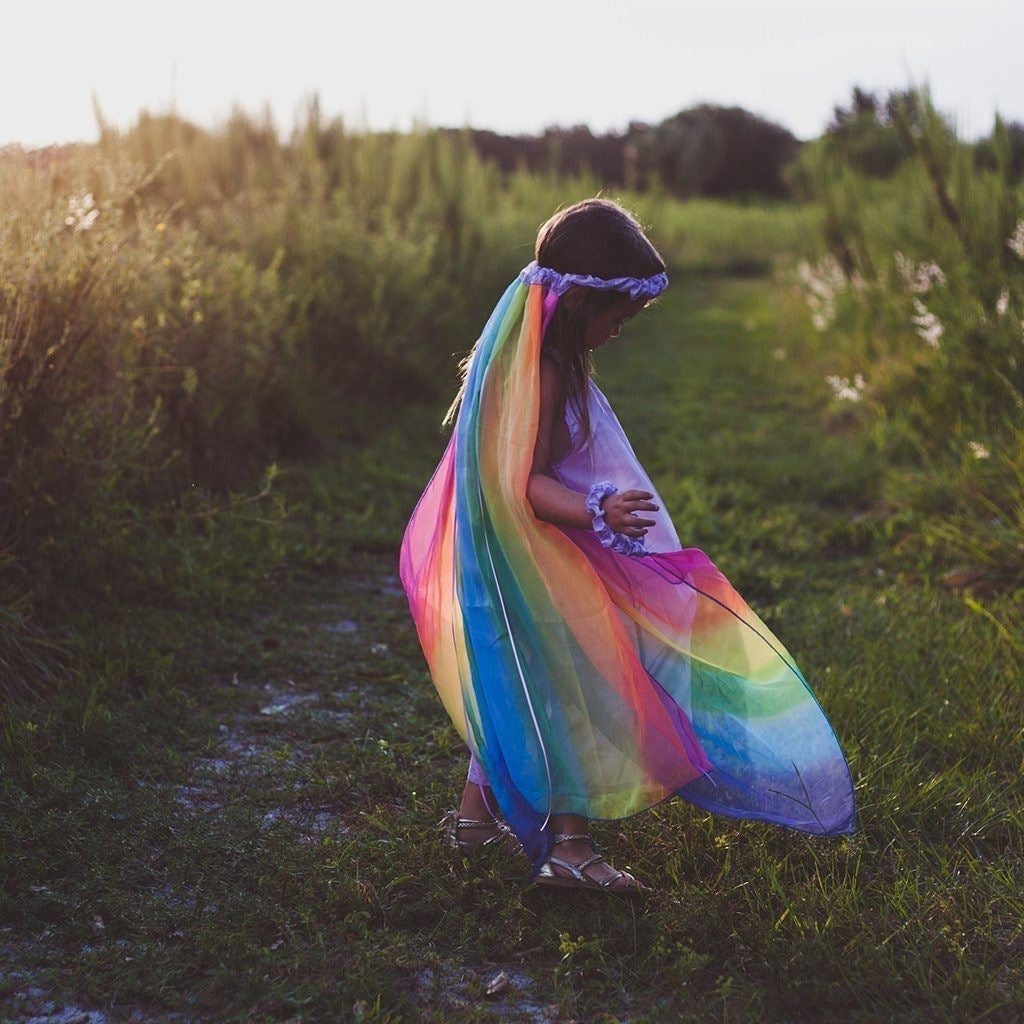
x,y
726,151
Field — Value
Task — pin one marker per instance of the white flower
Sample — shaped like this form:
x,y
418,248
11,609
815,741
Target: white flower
x,y
842,388
918,277
1016,240
904,265
1003,302
81,213
779,353
928,324
822,282
978,450
824,278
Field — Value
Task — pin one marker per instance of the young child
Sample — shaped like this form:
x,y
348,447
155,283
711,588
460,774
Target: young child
x,y
593,666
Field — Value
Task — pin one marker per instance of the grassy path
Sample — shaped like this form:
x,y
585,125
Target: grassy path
x,y
257,841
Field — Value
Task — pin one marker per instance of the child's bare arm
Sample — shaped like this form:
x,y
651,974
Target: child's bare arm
x,y
556,503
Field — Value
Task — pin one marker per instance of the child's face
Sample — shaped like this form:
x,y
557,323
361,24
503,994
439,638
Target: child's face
x,y
606,325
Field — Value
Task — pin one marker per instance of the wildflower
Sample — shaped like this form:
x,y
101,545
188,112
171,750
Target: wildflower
x,y
1016,240
779,353
81,214
843,388
161,226
978,450
928,325
918,277
1003,302
822,281
904,265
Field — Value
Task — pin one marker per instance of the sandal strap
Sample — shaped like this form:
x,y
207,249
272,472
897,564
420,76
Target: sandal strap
x,y
453,816
498,837
563,837
576,868
452,823
573,869
476,823
506,830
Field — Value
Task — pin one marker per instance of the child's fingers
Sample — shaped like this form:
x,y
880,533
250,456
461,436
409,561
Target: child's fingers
x,y
635,520
635,503
635,494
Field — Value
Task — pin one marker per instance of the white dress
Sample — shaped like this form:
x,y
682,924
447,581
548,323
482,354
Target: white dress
x,y
608,455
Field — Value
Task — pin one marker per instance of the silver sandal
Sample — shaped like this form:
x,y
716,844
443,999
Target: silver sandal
x,y
578,880
451,823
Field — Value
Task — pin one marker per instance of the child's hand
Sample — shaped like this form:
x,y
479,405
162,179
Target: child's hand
x,y
620,508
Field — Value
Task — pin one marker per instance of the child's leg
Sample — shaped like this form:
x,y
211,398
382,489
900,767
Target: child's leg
x,y
477,798
478,804
476,772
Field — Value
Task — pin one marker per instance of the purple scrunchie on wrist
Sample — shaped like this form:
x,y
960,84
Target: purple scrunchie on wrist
x,y
609,538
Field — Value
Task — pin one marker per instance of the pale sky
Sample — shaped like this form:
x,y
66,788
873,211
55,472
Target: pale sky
x,y
511,67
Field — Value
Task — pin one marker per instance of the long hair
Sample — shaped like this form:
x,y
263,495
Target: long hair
x,y
597,237
601,238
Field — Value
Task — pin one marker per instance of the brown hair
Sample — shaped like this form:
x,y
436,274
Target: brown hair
x,y
597,237
601,238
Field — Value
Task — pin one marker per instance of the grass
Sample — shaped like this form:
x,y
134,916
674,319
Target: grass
x,y
232,817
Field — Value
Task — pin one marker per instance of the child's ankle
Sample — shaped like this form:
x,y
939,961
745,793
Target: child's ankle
x,y
476,804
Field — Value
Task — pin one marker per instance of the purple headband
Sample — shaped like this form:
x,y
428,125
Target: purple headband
x,y
637,287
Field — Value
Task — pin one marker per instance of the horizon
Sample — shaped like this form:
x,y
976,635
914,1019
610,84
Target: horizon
x,y
440,72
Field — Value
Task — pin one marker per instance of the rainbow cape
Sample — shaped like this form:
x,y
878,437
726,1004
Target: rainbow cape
x,y
586,681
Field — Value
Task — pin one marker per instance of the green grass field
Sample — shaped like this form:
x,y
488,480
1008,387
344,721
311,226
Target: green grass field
x,y
236,819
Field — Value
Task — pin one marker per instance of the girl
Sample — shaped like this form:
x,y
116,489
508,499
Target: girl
x,y
593,666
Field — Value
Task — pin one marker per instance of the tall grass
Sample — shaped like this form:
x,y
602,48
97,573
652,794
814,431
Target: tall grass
x,y
916,292
177,813
180,309
228,303
718,236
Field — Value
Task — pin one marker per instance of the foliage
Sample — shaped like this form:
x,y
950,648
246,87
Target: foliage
x,y
715,151
179,308
230,814
916,291
707,150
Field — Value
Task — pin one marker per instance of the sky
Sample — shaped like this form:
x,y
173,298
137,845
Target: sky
x,y
510,67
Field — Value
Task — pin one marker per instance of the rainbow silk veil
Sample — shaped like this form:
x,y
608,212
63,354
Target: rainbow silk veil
x,y
587,681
